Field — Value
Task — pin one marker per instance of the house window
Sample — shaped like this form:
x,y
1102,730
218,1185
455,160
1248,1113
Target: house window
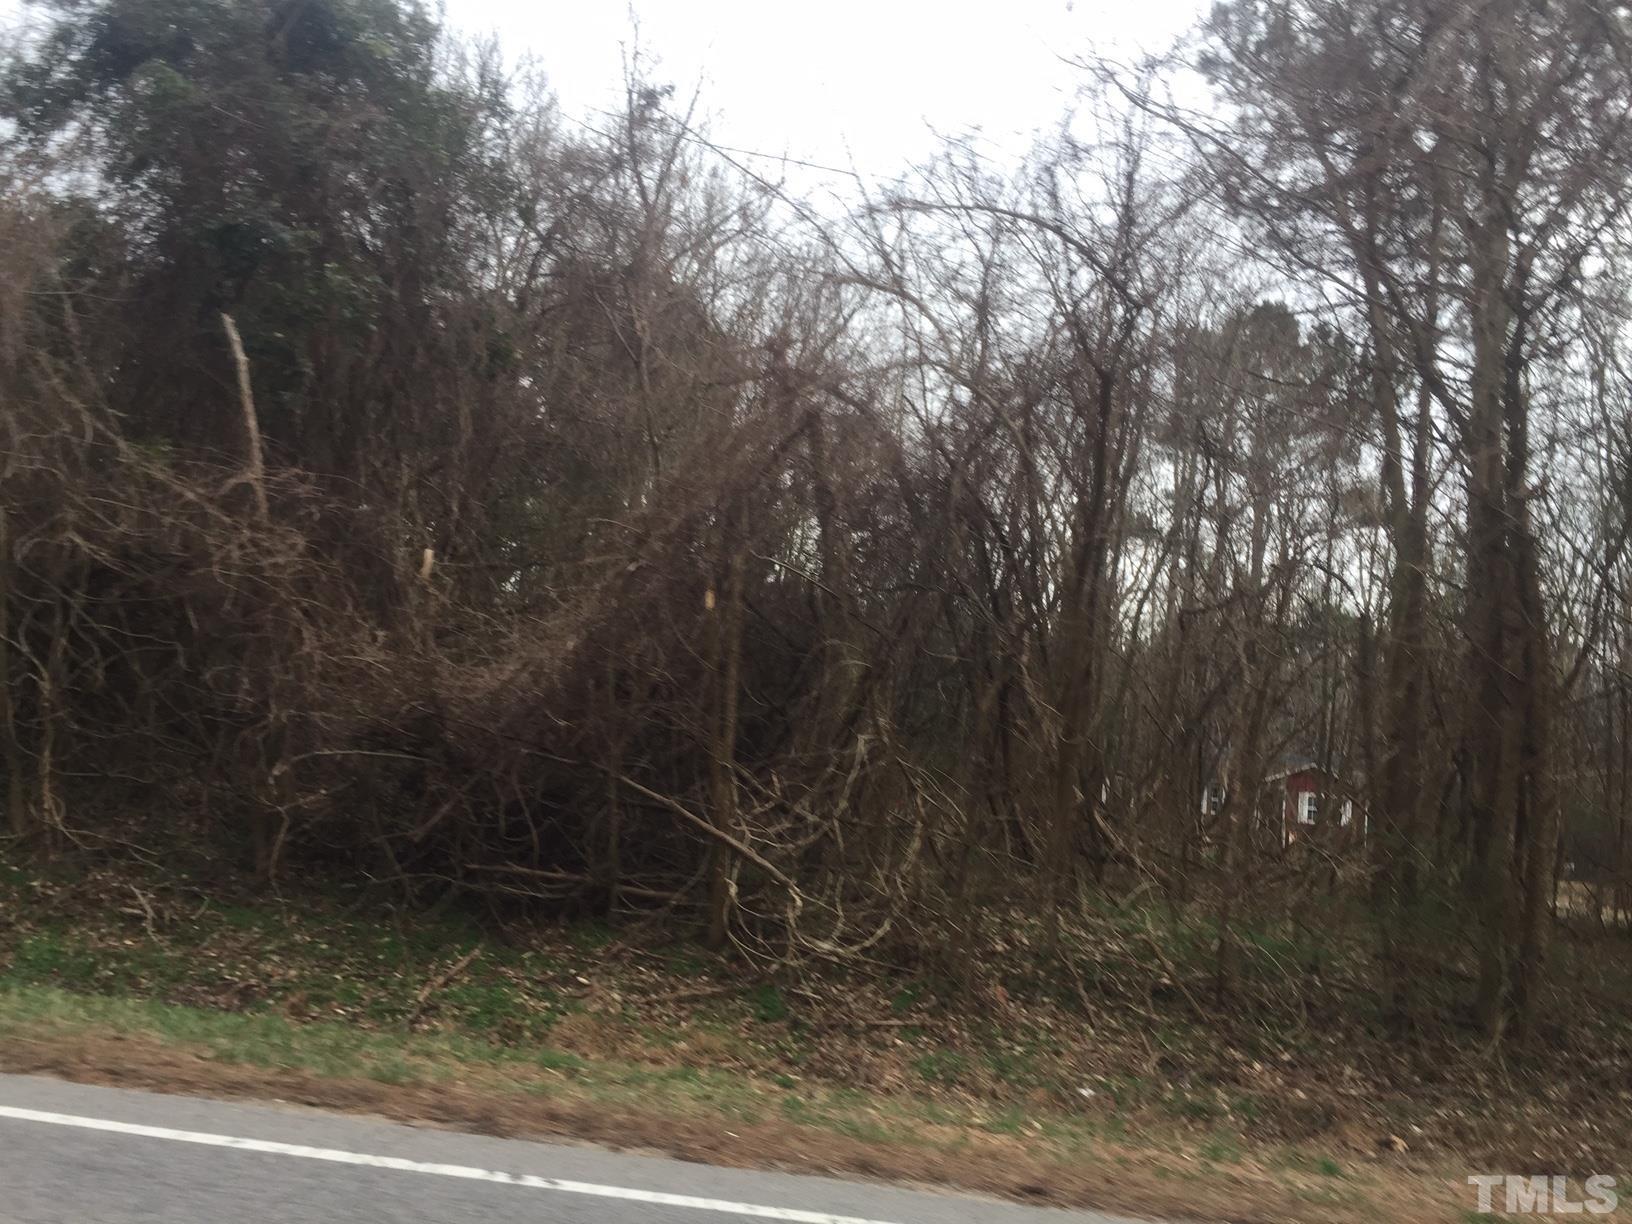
x,y
1212,800
1308,807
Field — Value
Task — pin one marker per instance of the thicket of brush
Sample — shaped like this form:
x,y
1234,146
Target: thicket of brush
x,y
398,478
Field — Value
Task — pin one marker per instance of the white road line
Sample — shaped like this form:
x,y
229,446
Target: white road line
x,y
527,1180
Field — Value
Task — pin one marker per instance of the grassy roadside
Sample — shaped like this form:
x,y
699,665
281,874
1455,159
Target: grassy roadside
x,y
579,1030
718,1116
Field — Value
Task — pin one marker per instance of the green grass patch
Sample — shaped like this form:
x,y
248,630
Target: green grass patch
x,y
945,1067
1192,1106
339,1050
769,1004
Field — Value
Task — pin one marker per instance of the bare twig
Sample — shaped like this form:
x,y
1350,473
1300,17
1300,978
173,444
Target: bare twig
x,y
427,991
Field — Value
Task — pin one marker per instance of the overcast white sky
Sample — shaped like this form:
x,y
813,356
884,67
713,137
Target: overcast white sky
x,y
844,82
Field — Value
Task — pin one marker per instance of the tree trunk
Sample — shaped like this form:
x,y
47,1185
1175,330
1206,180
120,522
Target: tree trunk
x,y
727,633
1495,627
17,813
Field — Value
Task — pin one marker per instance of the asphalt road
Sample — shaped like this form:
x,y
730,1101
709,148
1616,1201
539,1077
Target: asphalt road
x,y
85,1155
